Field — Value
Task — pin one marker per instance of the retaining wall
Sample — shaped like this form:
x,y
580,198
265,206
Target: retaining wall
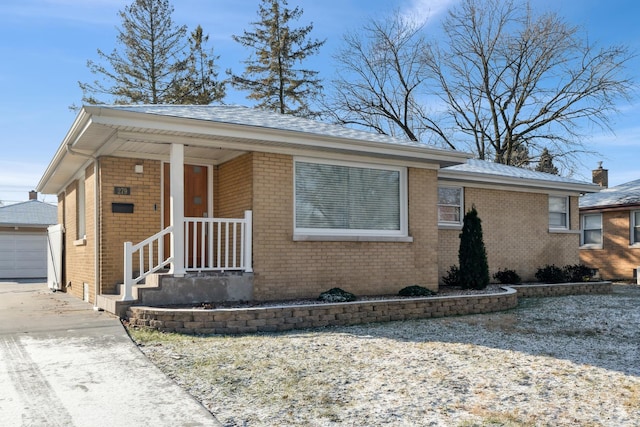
x,y
284,318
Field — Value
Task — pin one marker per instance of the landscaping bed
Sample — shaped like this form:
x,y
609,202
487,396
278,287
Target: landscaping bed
x,y
274,317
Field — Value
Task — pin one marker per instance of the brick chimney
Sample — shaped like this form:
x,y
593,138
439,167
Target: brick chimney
x,y
33,195
601,176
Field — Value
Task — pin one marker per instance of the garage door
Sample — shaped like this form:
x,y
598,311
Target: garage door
x,y
23,255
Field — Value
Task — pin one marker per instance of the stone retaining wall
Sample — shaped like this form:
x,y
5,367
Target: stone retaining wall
x,y
547,290
284,318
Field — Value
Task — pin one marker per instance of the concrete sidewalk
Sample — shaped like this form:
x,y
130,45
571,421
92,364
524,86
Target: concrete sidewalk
x,y
64,364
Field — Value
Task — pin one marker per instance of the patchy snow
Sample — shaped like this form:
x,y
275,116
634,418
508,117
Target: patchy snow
x,y
561,361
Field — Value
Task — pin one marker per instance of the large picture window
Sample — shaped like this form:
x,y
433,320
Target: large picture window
x,y
450,206
592,230
559,212
349,199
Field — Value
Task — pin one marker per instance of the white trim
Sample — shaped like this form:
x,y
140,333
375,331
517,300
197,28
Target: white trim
x,y
301,234
632,225
451,224
176,209
567,212
81,209
583,229
299,237
520,184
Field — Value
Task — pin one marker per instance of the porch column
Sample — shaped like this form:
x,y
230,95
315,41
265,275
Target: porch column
x,y
176,208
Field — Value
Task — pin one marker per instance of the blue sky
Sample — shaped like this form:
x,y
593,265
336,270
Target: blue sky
x,y
46,43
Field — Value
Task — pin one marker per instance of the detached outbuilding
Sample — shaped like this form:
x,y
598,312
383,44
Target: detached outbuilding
x,y
23,238
231,203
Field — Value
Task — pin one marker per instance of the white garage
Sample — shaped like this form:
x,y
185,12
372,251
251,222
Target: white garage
x,y
23,255
23,238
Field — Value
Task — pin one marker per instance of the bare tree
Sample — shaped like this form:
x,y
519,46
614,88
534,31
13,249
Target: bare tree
x,y
379,74
510,81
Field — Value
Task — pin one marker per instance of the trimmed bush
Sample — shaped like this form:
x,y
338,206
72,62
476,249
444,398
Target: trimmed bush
x,y
415,291
507,277
336,295
550,274
578,273
452,278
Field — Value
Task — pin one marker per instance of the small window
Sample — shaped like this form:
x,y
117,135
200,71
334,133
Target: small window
x,y
80,210
635,227
450,205
349,199
558,212
591,230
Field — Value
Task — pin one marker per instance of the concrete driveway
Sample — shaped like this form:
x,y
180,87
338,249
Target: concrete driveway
x,y
64,364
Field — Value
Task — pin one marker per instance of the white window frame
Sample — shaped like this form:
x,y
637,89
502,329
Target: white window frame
x,y
567,212
355,234
455,224
632,226
81,203
583,228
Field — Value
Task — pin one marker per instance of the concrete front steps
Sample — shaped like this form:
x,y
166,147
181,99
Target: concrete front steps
x,y
164,289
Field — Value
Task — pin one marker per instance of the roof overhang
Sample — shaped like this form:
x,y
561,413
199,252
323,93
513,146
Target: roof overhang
x,y
511,183
101,131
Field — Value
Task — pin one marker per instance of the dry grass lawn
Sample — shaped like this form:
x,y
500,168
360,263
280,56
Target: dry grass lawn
x,y
565,361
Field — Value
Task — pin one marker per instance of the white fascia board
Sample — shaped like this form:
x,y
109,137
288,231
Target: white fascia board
x,y
513,183
293,150
128,119
80,124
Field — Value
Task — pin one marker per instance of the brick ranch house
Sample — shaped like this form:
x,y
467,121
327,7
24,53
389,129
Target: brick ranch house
x,y
248,204
610,223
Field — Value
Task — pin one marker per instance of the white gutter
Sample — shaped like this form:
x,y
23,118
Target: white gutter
x,y
488,178
132,119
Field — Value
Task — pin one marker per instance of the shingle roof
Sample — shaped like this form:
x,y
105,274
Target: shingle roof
x,y
487,168
623,194
242,115
32,212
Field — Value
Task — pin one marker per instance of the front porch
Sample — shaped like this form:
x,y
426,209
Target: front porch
x,y
208,259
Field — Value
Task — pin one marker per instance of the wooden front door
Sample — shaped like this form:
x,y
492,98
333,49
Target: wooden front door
x,y
196,205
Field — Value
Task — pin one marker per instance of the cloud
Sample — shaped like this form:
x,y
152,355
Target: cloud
x,y
423,11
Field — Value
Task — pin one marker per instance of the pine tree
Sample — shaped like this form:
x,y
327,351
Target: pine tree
x,y
545,164
270,74
199,85
472,255
151,65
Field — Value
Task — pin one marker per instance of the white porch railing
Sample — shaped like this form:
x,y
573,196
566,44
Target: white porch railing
x,y
210,244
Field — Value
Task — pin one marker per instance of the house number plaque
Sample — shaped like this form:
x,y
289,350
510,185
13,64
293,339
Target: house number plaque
x,y
122,191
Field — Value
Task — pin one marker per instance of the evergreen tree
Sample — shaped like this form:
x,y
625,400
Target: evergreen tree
x,y
545,164
199,85
270,74
151,64
472,255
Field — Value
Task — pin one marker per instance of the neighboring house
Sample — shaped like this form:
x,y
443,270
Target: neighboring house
x,y
23,238
282,207
610,224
